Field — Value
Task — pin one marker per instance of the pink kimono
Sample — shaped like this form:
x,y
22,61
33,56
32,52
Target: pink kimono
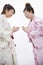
x,y
36,37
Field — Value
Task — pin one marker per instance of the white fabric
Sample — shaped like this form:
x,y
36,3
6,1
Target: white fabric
x,y
7,45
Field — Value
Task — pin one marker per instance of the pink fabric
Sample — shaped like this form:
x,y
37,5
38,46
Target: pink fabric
x,y
36,36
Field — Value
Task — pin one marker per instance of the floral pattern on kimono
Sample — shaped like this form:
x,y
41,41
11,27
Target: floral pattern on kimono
x,y
7,44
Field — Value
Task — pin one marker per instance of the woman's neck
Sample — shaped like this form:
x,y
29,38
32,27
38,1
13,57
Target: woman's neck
x,y
32,17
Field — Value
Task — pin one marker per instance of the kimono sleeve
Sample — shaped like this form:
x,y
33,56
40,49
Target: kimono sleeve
x,y
28,34
37,28
4,33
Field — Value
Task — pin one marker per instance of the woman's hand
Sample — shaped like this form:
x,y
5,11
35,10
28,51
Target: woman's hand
x,y
14,29
25,29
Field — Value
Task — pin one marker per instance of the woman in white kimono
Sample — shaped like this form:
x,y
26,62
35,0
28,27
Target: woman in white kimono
x,y
7,45
35,33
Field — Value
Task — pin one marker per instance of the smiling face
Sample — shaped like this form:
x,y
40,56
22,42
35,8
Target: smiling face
x,y
9,13
28,14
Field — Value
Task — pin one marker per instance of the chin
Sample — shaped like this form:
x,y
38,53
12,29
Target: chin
x,y
28,18
9,16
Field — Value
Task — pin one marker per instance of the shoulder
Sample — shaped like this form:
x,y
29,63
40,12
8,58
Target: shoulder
x,y
2,16
38,19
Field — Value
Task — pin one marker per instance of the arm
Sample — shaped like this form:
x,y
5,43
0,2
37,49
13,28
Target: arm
x,y
14,29
5,35
5,32
25,29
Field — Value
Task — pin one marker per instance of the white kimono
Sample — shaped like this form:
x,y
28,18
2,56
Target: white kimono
x,y
7,45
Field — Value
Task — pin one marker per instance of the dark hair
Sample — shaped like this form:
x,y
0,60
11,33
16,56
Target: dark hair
x,y
28,7
7,6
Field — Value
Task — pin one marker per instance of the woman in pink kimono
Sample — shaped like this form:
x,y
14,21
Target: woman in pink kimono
x,y
35,33
7,45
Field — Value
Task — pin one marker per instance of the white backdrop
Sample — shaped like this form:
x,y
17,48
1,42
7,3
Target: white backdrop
x,y
24,49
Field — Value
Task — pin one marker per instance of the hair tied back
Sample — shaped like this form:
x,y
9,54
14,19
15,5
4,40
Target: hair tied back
x,y
27,4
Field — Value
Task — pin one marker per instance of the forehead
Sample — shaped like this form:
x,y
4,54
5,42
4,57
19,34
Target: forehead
x,y
12,11
26,11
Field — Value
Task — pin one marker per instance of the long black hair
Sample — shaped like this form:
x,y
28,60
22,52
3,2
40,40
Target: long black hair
x,y
8,7
28,7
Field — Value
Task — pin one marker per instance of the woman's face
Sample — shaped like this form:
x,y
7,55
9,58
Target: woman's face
x,y
28,14
9,13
